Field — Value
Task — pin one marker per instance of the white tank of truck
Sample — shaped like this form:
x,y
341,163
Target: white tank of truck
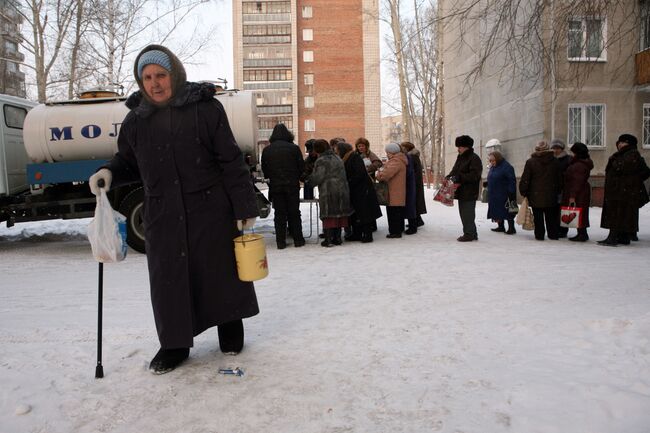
x,y
87,128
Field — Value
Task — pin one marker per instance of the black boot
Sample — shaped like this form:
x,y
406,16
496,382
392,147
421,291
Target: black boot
x,y
366,234
624,238
281,235
511,228
420,221
582,236
168,359
231,337
611,240
634,237
336,236
499,228
413,227
327,242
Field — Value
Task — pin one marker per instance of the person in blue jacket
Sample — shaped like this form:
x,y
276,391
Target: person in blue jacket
x,y
502,185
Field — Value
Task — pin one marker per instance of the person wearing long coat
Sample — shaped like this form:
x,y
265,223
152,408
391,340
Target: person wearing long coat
x,y
541,183
393,172
625,192
420,202
502,185
362,194
577,191
467,173
563,159
197,192
333,192
370,160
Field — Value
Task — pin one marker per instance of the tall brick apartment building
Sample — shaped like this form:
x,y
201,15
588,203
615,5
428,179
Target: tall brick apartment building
x,y
314,65
12,80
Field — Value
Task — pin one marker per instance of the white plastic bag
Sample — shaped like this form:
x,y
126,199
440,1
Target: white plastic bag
x,y
107,232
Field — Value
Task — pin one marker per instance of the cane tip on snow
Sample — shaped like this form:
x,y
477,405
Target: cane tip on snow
x,y
23,409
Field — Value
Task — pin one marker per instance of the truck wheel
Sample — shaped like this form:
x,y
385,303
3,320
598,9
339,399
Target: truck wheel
x,y
131,208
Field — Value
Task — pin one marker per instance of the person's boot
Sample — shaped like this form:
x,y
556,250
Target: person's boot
x,y
281,236
413,227
336,236
419,221
231,337
499,228
168,359
511,228
634,237
366,234
582,236
624,238
327,241
610,241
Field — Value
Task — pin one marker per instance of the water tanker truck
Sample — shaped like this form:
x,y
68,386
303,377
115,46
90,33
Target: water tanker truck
x,y
48,152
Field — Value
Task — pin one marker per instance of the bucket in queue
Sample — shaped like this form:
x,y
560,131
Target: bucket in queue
x,y
250,253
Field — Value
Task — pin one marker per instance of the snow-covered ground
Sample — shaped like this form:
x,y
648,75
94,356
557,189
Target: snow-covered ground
x,y
419,334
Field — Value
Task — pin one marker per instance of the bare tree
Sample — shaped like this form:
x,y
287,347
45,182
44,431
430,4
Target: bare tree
x,y
48,23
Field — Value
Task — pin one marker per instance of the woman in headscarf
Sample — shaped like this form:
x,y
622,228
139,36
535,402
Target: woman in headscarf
x,y
577,191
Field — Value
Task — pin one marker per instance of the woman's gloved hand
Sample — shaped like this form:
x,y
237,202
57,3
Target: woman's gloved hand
x,y
246,224
94,180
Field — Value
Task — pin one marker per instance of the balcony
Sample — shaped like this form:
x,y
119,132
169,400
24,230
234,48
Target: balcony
x,y
266,18
274,109
266,63
642,61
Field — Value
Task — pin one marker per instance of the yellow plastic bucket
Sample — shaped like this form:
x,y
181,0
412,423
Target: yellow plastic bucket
x,y
250,253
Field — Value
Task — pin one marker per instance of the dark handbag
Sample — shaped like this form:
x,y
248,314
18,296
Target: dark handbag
x,y
381,188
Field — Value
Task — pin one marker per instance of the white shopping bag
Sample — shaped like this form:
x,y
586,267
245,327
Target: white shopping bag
x,y
107,232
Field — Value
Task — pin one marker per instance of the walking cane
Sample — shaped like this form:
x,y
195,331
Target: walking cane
x,y
99,370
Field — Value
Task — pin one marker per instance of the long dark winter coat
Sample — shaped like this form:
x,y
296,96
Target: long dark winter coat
x,y
333,191
283,165
362,191
502,185
624,190
576,186
541,181
467,170
420,202
409,207
196,185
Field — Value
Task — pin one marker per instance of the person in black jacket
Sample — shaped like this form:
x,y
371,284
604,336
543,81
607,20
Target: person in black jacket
x,y
310,160
625,192
541,182
467,172
283,165
563,159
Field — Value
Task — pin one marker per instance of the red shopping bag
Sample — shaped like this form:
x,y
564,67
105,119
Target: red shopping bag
x,y
445,194
571,217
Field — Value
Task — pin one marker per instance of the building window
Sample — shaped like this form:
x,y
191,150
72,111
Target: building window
x,y
309,102
646,125
267,75
307,12
14,116
307,34
310,125
586,39
309,79
587,124
645,24
307,56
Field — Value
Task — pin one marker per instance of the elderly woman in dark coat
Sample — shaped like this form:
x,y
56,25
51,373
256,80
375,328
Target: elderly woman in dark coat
x,y
577,191
362,194
420,202
370,160
502,185
625,192
541,183
197,192
333,192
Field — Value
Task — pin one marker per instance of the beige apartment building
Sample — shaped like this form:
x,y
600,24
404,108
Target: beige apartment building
x,y
12,79
313,64
613,97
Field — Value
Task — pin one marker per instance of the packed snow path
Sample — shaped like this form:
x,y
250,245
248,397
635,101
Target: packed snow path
x,y
419,334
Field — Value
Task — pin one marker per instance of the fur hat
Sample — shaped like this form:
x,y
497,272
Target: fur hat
x,y
464,141
153,57
542,146
580,150
629,139
556,142
392,148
